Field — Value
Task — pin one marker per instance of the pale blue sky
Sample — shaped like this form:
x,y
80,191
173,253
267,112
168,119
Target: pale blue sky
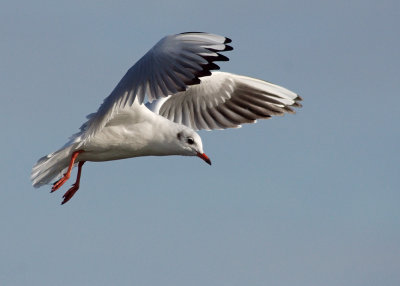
x,y
304,199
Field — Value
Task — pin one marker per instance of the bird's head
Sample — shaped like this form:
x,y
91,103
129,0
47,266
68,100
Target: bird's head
x,y
190,143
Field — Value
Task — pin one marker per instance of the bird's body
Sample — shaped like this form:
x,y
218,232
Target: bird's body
x,y
183,96
144,133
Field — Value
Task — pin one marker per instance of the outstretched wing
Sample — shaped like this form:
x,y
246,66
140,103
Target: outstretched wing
x,y
226,100
173,64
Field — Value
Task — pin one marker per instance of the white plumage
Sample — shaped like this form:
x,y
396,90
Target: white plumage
x,y
183,95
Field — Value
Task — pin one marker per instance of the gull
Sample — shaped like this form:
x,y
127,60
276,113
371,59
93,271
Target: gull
x,y
160,103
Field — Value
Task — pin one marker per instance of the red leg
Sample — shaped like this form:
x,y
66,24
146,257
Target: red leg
x,y
69,194
66,176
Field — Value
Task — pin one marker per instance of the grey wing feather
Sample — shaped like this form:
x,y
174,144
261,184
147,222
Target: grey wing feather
x,y
226,100
173,64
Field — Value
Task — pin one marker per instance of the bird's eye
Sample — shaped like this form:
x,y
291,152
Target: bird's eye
x,y
190,140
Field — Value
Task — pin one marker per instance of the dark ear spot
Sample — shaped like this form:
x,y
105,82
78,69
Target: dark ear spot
x,y
179,135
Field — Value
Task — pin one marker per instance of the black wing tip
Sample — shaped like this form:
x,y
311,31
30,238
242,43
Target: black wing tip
x,y
297,104
226,40
219,58
212,66
228,48
298,98
204,72
222,58
193,81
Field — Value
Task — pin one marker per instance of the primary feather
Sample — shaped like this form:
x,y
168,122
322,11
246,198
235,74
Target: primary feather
x,y
224,100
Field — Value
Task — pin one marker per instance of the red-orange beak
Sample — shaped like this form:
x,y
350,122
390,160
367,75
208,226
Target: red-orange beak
x,y
204,157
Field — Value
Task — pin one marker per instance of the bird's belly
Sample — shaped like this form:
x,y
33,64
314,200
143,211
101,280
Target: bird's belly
x,y
108,155
117,143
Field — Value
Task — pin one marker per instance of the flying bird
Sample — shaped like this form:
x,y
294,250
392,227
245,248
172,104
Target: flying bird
x,y
160,103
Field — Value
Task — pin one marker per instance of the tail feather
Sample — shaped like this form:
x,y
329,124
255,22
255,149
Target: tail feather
x,y
51,167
